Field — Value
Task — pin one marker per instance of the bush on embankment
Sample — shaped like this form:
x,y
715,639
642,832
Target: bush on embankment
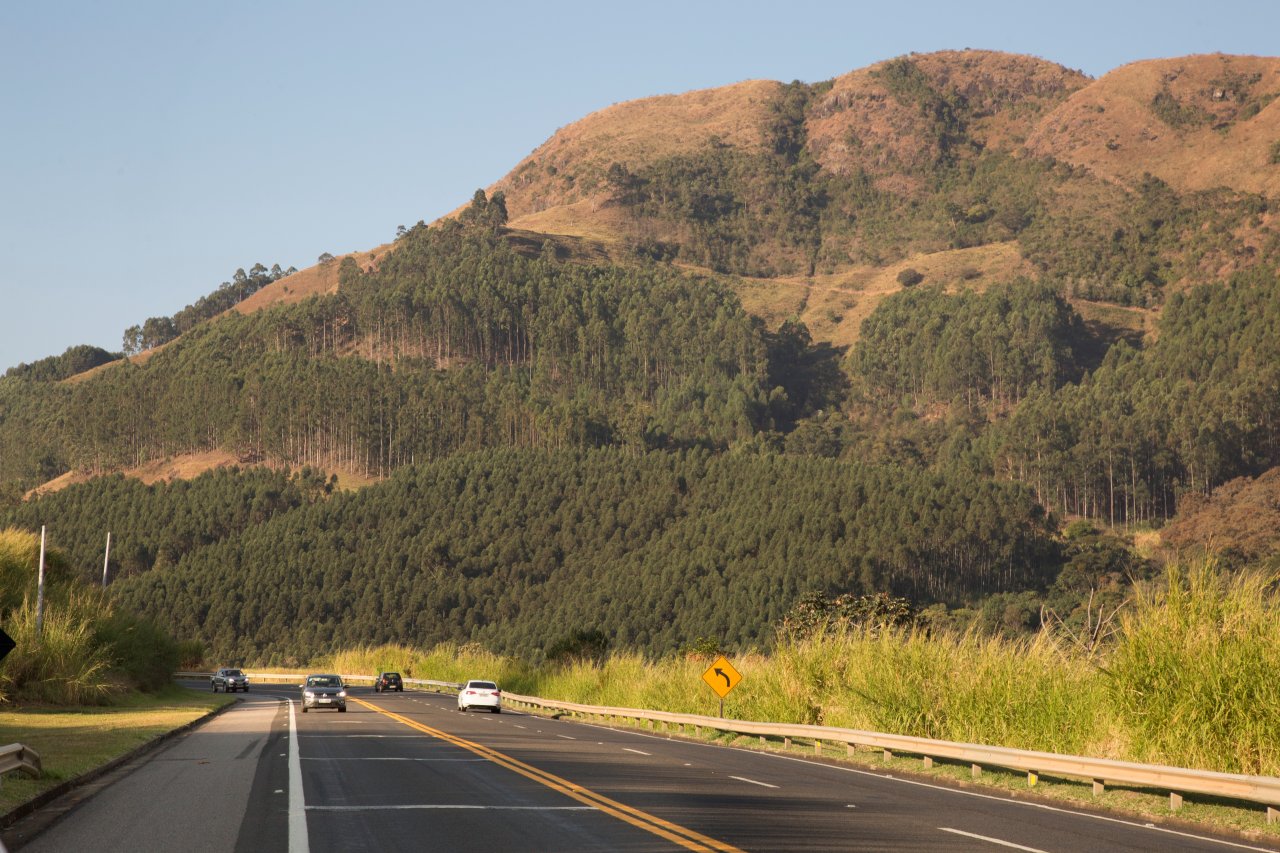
x,y
83,652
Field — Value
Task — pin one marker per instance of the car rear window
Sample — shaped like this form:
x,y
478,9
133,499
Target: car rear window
x,y
483,685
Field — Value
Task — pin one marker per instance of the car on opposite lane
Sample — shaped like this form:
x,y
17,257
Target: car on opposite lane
x,y
388,681
324,690
480,694
230,680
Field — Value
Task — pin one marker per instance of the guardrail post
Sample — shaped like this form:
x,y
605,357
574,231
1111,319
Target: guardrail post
x,y
928,762
1175,801
817,747
1098,787
1032,778
1273,814
887,756
975,771
786,743
848,749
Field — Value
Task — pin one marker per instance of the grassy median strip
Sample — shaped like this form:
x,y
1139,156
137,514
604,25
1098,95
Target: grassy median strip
x,y
74,741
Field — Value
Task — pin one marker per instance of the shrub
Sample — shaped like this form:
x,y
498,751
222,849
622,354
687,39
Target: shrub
x,y
138,650
910,277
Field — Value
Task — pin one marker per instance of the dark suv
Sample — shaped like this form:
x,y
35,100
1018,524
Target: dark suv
x,y
230,680
388,681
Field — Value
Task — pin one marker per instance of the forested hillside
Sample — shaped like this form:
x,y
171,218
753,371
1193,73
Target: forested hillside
x,y
584,429
517,548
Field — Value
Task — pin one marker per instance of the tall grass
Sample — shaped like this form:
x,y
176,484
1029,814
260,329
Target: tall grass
x,y
445,662
62,665
1194,679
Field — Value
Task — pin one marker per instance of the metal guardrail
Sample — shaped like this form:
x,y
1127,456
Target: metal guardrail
x,y
20,758
1178,781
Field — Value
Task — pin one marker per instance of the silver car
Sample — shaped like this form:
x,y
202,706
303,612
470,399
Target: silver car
x,y
229,680
324,691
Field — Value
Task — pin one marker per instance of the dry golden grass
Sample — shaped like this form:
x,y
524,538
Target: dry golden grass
x,y
187,467
569,167
859,125
317,280
1132,322
833,306
1111,128
584,219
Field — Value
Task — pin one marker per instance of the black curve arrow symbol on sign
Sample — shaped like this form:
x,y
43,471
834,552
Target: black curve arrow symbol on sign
x,y
727,683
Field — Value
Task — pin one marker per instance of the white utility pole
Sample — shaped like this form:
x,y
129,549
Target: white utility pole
x,y
40,587
105,559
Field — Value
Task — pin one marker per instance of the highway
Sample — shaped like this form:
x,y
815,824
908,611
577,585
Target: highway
x,y
407,771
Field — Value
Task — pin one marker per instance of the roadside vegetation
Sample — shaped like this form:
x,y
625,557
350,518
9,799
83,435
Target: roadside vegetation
x,y
72,741
1182,679
84,650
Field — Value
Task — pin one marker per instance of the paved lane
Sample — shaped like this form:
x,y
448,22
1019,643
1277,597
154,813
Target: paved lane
x,y
408,771
769,802
190,795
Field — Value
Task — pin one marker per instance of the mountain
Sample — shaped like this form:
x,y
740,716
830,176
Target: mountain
x,y
915,318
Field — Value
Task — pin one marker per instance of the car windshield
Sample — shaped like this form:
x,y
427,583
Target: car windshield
x,y
233,672
322,681
483,685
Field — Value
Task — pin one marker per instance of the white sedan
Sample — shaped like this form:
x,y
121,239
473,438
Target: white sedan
x,y
480,694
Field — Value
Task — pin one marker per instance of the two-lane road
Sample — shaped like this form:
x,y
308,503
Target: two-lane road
x,y
408,771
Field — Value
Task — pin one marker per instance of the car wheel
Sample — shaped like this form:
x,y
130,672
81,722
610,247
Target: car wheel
x,y
213,687
495,709
246,688
304,709
399,689
342,710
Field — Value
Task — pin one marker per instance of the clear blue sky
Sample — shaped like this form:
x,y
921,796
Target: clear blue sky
x,y
151,148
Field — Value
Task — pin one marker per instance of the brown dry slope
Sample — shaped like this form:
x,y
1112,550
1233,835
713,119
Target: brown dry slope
x,y
1196,122
566,173
860,125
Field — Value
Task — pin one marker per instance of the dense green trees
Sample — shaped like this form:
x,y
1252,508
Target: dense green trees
x,y
515,548
987,350
76,359
1195,409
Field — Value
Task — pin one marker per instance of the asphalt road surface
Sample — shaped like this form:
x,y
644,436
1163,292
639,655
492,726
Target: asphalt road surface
x,y
407,771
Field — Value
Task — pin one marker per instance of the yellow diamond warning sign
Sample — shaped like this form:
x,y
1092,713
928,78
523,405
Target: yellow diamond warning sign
x,y
721,676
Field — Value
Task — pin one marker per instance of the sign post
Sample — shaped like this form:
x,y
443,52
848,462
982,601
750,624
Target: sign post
x,y
40,588
721,677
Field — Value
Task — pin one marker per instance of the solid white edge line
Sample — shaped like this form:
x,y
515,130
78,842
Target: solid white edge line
x,y
1012,802
298,842
988,838
636,751
753,781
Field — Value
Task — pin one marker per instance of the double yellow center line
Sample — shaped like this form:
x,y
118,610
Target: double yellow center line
x,y
674,833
